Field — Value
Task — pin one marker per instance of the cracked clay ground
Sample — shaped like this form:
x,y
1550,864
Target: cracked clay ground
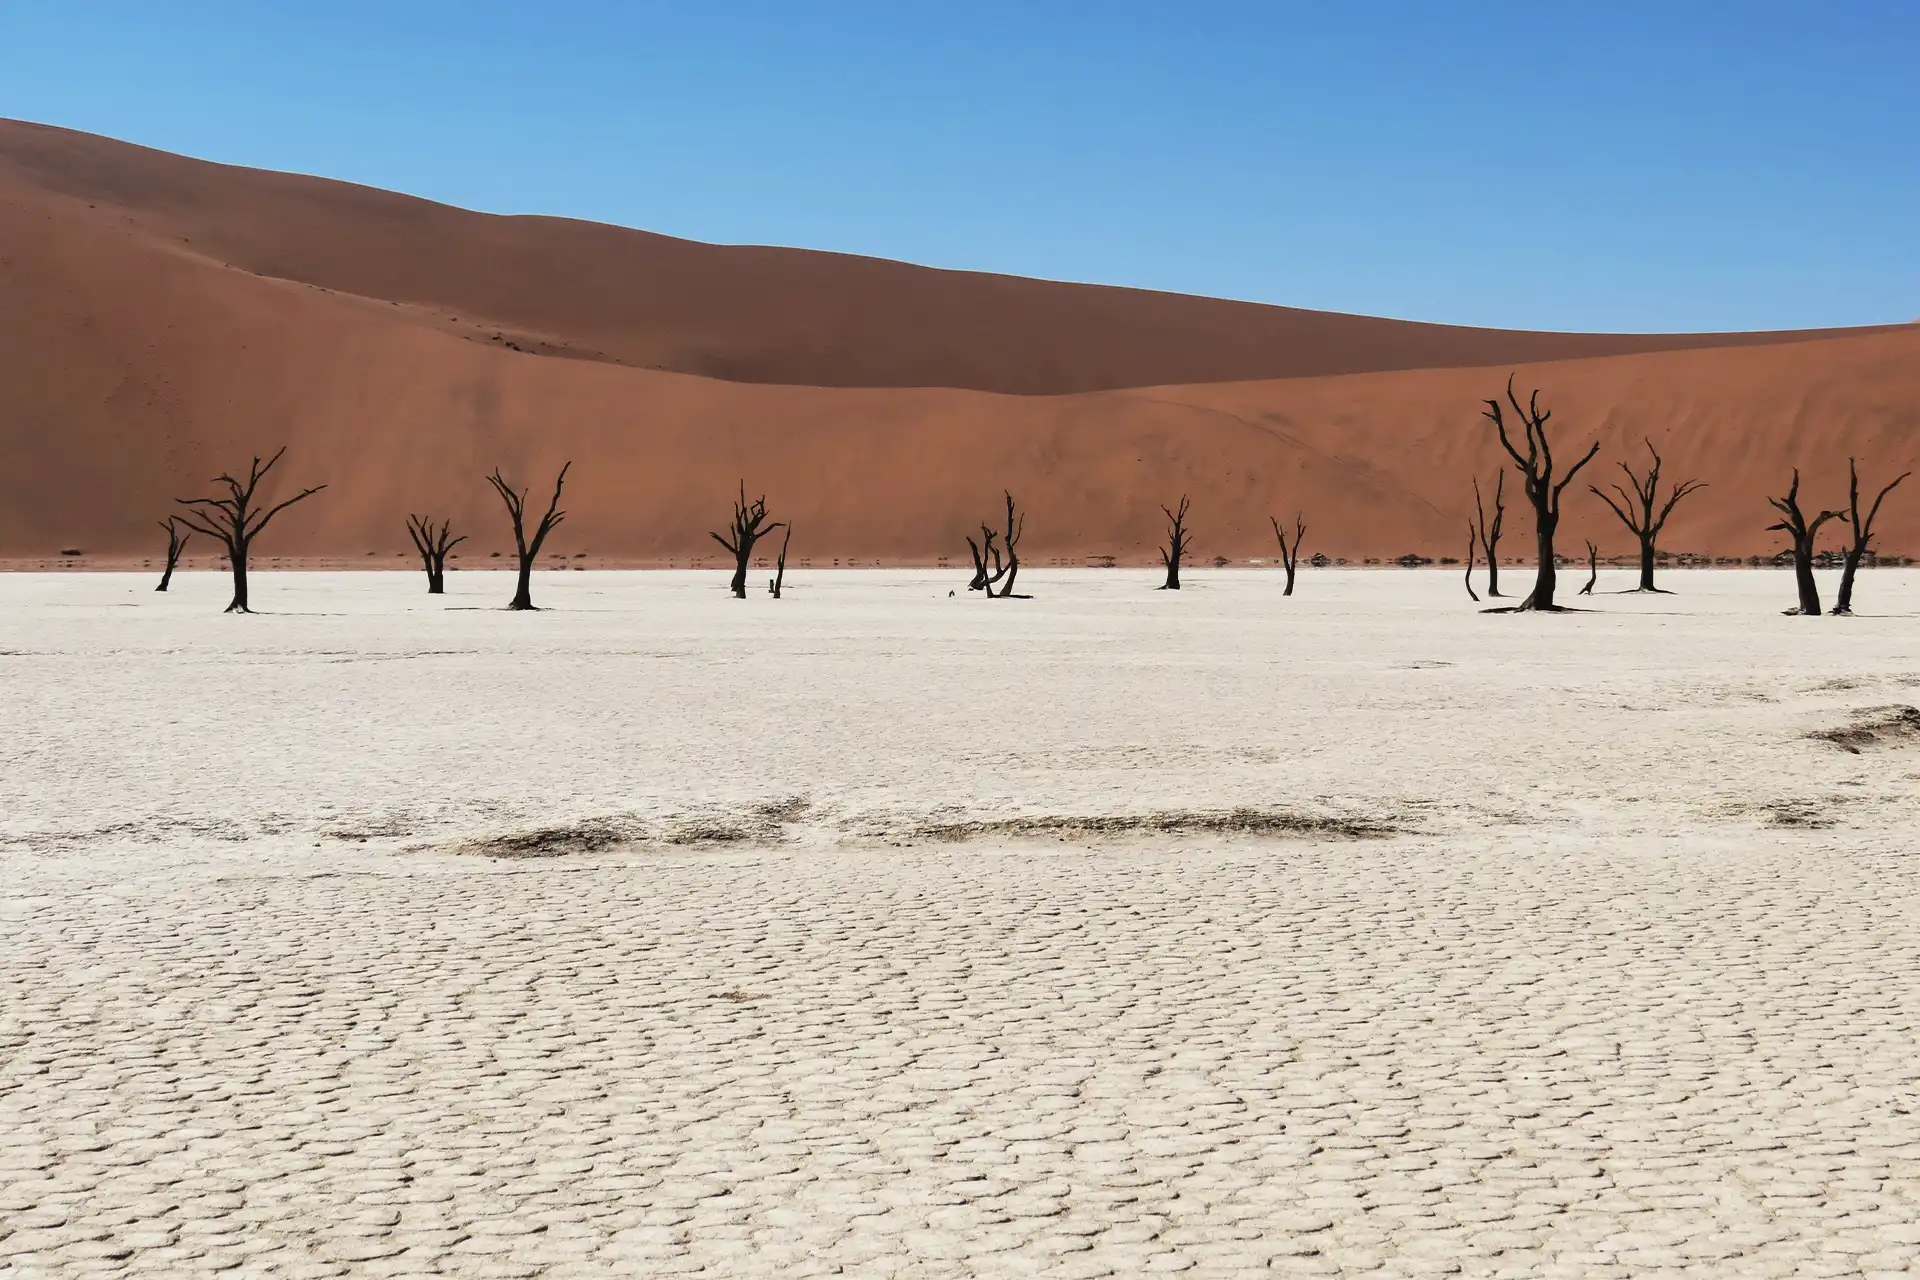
x,y
877,933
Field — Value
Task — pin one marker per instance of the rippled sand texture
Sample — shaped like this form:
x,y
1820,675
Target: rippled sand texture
x,y
875,932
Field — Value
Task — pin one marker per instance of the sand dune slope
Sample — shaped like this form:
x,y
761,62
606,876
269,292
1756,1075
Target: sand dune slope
x,y
131,369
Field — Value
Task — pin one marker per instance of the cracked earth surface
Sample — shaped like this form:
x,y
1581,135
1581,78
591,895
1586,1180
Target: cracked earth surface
x,y
1663,1032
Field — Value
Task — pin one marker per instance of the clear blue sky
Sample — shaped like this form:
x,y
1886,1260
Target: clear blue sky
x,y
1685,164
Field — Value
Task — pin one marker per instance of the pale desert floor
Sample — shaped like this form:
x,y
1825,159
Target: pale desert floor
x,y
660,933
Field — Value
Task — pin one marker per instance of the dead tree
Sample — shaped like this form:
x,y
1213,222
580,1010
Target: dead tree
x,y
779,579
433,545
176,543
1487,531
1593,569
1473,537
1290,557
1862,533
748,527
1796,526
527,550
234,521
1179,542
1543,491
996,557
1636,510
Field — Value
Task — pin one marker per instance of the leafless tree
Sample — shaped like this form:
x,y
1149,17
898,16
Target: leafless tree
x,y
1862,532
235,521
1796,526
527,550
1473,537
779,579
1179,542
433,545
1593,569
1543,491
1636,510
1488,531
178,535
996,557
749,525
1290,556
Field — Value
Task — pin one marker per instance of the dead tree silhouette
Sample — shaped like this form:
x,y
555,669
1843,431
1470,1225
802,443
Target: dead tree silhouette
x,y
749,525
1473,535
996,557
528,551
1536,467
779,579
176,543
433,545
1796,526
234,521
1593,569
1489,531
1636,510
1179,542
1290,557
1862,532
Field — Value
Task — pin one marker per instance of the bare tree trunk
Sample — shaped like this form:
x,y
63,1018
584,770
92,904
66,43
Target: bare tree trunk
x,y
176,543
433,545
1290,556
1489,532
1536,468
1179,541
780,567
748,526
1593,570
1862,533
526,550
237,557
234,521
996,557
1472,537
1843,598
1636,510
1796,526
1548,575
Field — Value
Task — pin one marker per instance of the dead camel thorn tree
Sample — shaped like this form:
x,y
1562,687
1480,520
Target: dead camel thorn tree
x,y
433,545
996,557
1488,532
748,527
779,578
1795,525
1290,557
1593,569
1862,532
235,521
1179,542
1636,510
1473,536
1543,491
176,543
528,550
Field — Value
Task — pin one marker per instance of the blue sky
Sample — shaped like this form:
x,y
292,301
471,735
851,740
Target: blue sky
x,y
1689,164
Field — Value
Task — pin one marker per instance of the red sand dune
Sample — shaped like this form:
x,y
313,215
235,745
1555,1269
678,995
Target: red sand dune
x,y
161,318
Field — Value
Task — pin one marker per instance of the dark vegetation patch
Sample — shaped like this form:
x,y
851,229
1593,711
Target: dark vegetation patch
x,y
1874,727
761,823
594,835
1252,822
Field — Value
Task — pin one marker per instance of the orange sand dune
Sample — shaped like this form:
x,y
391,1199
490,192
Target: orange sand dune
x,y
161,318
